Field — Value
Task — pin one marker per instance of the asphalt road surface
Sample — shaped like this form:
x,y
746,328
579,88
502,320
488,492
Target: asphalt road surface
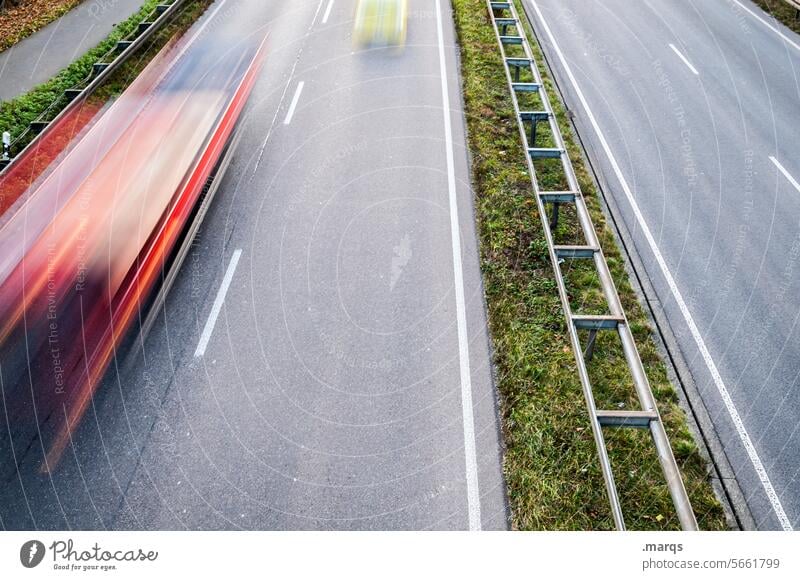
x,y
322,361
690,114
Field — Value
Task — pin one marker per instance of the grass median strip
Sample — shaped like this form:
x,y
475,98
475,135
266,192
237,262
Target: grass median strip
x,y
551,465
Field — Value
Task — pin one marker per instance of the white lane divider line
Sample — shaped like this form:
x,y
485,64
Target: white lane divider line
x,y
316,13
473,494
218,302
785,38
785,172
744,437
283,94
683,58
293,104
327,12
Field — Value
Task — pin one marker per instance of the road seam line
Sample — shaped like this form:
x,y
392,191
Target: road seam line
x,y
785,172
293,105
218,302
327,12
712,367
683,58
470,455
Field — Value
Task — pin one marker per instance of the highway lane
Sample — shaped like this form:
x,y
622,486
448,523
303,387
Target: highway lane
x,y
689,112
332,390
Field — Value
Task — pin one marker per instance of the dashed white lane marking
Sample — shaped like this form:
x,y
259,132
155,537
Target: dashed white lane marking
x,y
683,58
752,454
218,302
473,494
786,174
283,94
327,12
293,105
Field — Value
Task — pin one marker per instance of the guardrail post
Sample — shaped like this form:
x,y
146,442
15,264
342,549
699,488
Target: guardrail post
x,y
38,126
554,217
589,352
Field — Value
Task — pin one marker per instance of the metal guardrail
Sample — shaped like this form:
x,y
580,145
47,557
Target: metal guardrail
x,y
101,70
510,33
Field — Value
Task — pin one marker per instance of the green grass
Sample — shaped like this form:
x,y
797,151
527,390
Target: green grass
x,y
16,114
551,466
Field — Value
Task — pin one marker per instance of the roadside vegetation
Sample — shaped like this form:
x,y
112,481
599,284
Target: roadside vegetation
x,y
131,68
21,18
550,464
782,11
16,114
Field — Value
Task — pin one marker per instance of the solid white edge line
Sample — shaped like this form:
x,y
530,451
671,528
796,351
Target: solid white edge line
x,y
473,493
327,12
683,58
712,367
293,105
218,302
785,172
768,25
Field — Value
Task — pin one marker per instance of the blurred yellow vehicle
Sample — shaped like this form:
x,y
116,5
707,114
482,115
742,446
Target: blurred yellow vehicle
x,y
380,22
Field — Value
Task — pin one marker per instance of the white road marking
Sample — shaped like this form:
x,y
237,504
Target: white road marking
x,y
786,174
218,302
293,104
687,316
473,494
683,58
283,94
316,13
768,25
327,12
